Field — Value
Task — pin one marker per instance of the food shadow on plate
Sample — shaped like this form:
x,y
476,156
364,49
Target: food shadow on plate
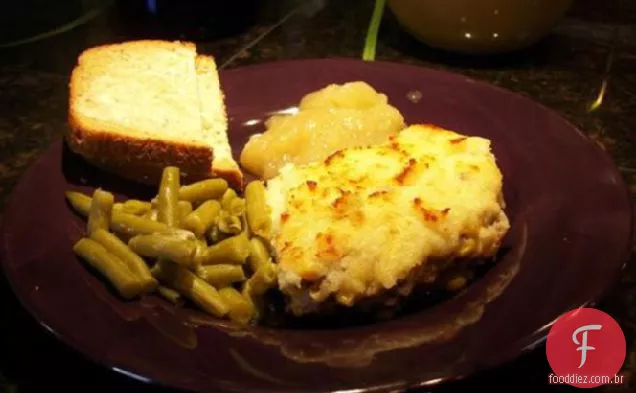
x,y
423,297
428,320
276,316
79,173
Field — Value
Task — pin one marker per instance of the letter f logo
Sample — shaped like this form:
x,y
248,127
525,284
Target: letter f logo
x,y
583,344
581,368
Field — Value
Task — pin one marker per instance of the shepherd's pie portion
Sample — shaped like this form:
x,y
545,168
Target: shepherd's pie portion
x,y
370,219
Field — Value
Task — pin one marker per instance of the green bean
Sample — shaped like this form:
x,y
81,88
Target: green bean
x,y
259,254
233,250
254,287
202,218
214,235
162,265
170,295
257,210
263,279
151,215
231,203
237,207
185,208
202,246
194,288
168,198
100,211
203,190
201,242
179,233
221,275
134,206
110,266
230,217
241,310
229,223
244,227
164,246
257,302
118,248
81,203
129,224
155,270
227,197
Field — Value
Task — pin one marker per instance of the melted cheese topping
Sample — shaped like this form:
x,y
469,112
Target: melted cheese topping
x,y
365,218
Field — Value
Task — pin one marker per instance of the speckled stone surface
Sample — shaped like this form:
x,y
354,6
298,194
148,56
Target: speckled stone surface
x,y
592,52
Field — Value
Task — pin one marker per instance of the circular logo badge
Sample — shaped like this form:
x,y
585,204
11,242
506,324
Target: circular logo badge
x,y
586,349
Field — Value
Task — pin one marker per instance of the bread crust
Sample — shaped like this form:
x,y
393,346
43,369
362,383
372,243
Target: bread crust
x,y
228,169
108,48
117,150
136,159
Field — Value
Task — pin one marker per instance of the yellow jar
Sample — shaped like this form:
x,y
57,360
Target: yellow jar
x,y
479,26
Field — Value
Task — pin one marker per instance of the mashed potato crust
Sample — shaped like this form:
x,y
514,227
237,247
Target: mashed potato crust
x,y
368,219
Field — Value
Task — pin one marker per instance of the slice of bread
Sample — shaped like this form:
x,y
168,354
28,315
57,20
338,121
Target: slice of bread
x,y
214,120
139,106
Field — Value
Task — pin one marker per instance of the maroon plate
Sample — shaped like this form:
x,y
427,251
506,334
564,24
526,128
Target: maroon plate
x,y
570,236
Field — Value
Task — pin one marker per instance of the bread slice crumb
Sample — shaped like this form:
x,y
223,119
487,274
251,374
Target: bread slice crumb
x,y
136,107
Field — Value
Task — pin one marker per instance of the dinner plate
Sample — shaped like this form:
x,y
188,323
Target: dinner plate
x,y
570,236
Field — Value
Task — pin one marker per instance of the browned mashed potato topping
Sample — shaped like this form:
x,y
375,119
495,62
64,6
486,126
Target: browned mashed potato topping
x,y
369,219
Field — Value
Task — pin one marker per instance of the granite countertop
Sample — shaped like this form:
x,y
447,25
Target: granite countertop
x,y
592,51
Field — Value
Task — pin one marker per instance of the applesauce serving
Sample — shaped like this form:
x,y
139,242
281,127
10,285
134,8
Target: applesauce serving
x,y
330,119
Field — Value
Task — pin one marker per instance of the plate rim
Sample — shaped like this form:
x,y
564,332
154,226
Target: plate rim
x,y
610,164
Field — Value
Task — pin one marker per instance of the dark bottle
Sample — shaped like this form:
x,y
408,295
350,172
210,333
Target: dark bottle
x,y
187,19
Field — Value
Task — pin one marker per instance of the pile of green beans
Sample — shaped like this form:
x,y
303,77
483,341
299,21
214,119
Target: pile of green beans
x,y
200,242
